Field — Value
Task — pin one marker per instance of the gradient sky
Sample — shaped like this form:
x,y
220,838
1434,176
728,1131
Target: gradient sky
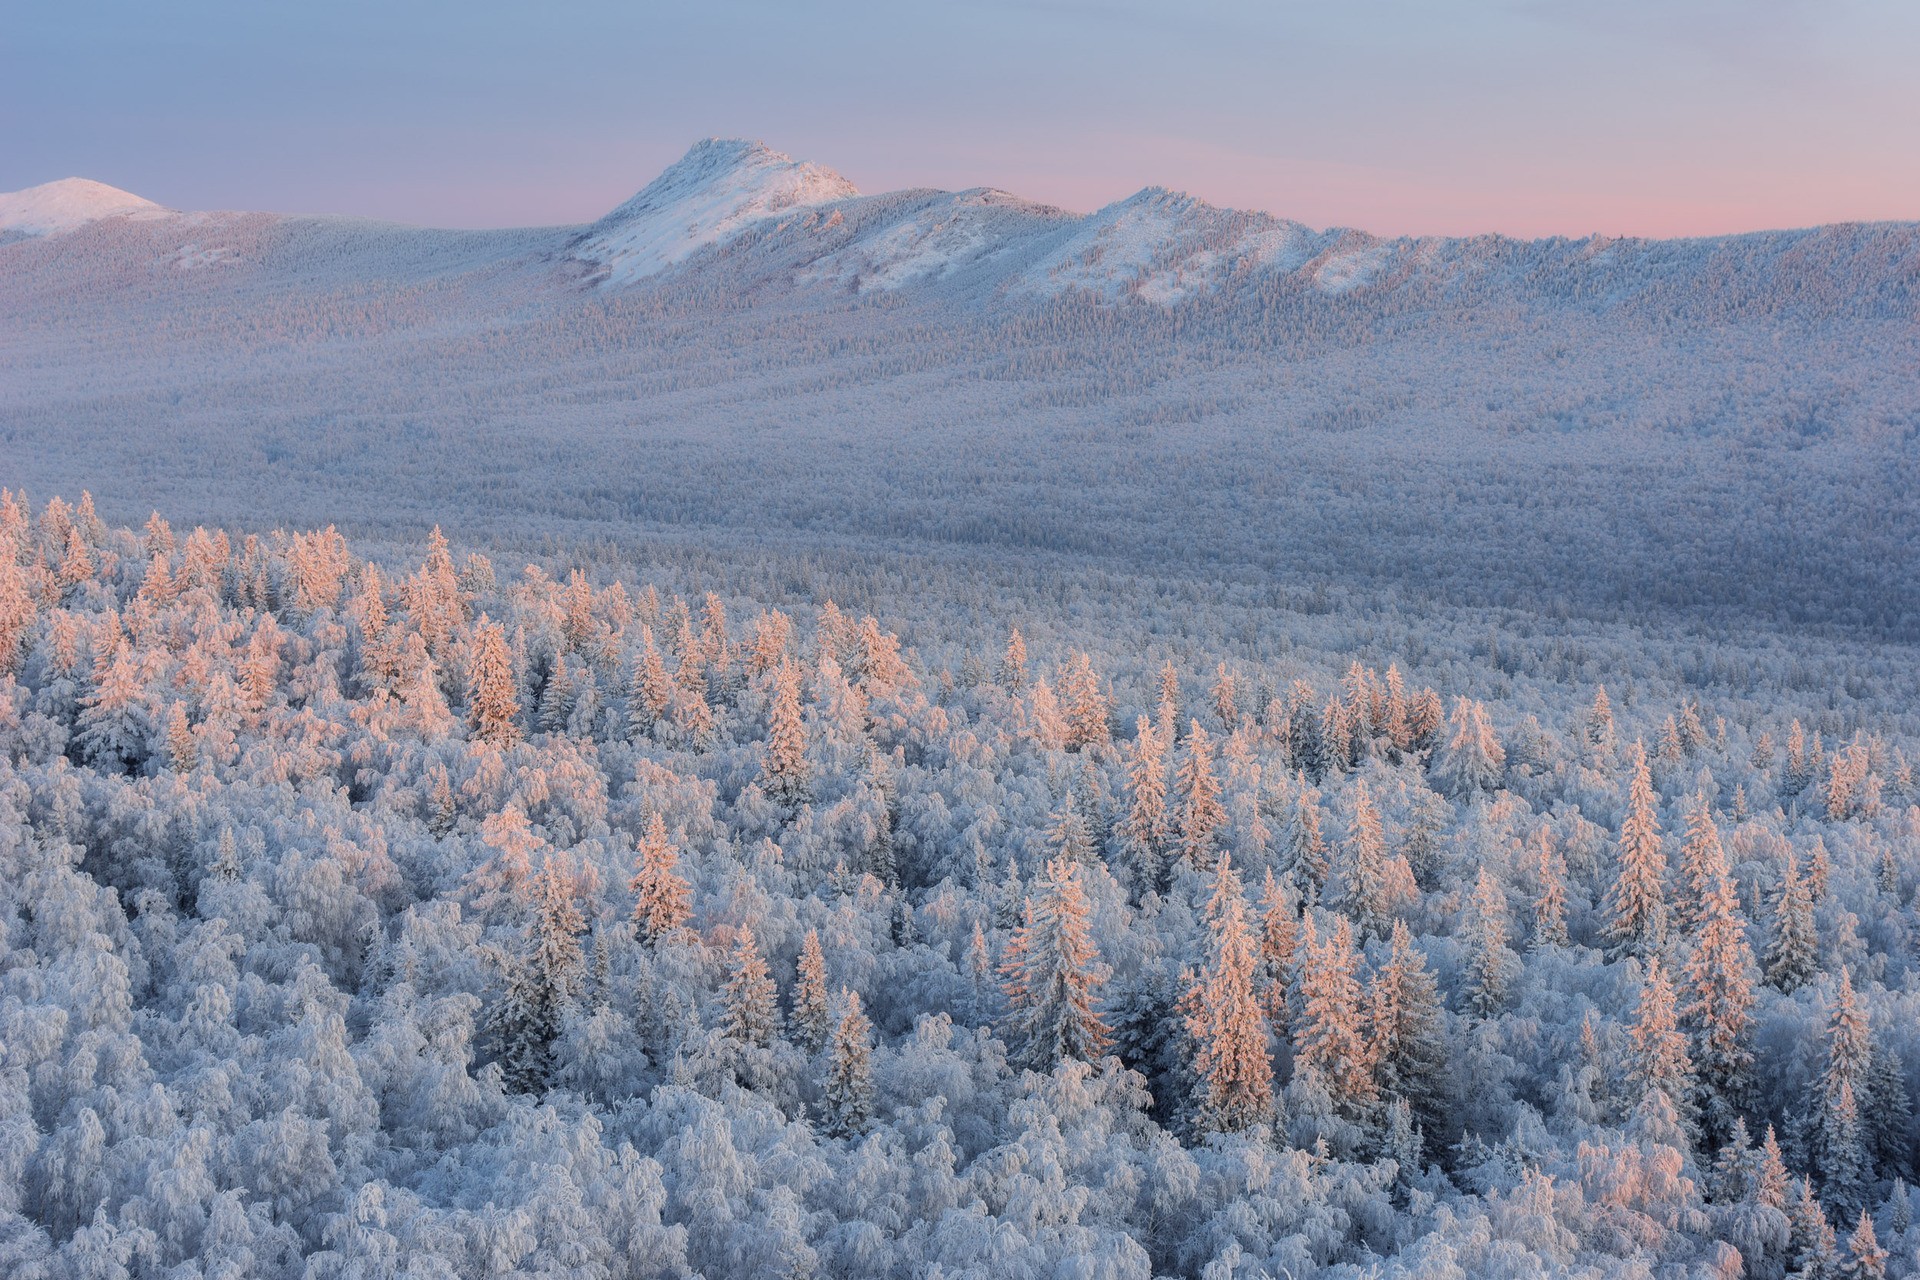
x,y
1532,117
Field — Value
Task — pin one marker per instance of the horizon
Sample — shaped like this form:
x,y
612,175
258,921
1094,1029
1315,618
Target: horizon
x,y
1527,119
863,192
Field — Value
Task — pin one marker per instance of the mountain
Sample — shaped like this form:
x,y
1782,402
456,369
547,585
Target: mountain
x,y
750,351
56,207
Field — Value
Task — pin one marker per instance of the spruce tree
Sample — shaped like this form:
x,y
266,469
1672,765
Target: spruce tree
x,y
1550,898
1866,1260
1329,1024
493,708
1052,974
1306,846
1474,760
751,1017
1227,1026
1013,664
1489,963
1406,1031
1659,1058
849,1083
1201,814
812,1021
1792,956
784,768
661,897
1840,1139
1364,885
1279,942
1636,905
543,982
1720,999
1143,832
1086,707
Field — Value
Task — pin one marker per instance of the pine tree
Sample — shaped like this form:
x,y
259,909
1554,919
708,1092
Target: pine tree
x,y
1143,832
1201,814
1226,698
650,693
1703,862
1406,1032
1889,1118
1489,963
1659,1057
493,709
812,1021
1052,975
785,765
751,1017
114,719
1719,984
1227,1026
1600,721
849,1084
1329,1025
1636,905
1550,902
1068,838
661,897
1167,714
1792,956
544,982
17,605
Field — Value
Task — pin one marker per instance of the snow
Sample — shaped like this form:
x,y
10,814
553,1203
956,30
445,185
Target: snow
x,y
54,208
718,189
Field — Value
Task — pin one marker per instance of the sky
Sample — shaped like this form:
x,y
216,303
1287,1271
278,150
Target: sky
x,y
1526,117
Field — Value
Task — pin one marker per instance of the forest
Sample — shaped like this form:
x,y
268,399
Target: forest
x,y
387,912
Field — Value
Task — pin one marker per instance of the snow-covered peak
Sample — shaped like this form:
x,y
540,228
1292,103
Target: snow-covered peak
x,y
720,187
54,207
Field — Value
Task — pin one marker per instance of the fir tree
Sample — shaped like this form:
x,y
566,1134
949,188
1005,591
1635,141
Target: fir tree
x,y
1550,900
1329,1024
1719,984
1810,1240
1364,884
812,1021
650,695
1227,1026
1201,814
849,1083
1226,698
1406,1032
183,749
1792,956
1306,847
493,708
1143,832
1636,906
1866,1260
1659,1058
1052,975
751,1017
1474,759
1086,708
1599,726
544,982
1840,1145
784,768
661,898
1489,963
1013,664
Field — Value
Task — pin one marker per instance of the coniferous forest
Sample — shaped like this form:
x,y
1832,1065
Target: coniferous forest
x,y
391,910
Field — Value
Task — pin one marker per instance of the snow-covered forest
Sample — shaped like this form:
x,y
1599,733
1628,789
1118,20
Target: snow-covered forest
x,y
393,910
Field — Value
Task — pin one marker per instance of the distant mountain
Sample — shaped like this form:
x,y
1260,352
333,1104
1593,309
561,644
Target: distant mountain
x,y
750,348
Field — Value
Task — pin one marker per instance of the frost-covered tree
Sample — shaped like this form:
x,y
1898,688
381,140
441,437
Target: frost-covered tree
x,y
1792,956
1719,985
1086,706
493,705
1490,964
848,1092
1200,814
1306,846
1473,760
1659,1060
1013,663
784,769
1143,832
1226,1023
1366,879
543,981
1636,905
751,1015
812,1018
1840,1137
1052,974
1550,893
1329,1023
661,896
1406,1031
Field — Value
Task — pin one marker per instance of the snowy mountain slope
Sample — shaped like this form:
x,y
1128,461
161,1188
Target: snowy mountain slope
x,y
760,354
705,198
56,207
